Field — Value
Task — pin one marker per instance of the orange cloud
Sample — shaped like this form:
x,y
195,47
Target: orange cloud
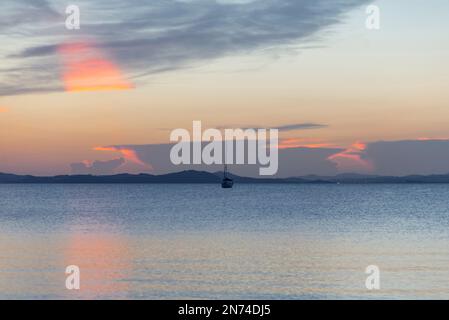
x,y
86,68
129,154
2,109
293,143
352,159
359,146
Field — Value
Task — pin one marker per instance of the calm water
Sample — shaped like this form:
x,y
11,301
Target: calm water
x,y
202,242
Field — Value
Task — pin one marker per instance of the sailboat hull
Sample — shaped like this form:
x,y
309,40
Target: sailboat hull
x,y
227,184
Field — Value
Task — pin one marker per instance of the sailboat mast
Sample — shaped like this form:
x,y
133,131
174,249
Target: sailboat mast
x,y
225,173
227,182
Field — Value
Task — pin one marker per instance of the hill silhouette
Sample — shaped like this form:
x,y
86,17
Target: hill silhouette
x,y
206,177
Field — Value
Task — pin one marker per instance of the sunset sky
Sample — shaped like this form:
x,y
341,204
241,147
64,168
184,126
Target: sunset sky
x,y
357,100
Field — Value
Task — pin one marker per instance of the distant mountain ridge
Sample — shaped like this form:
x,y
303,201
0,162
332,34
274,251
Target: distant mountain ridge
x,y
206,177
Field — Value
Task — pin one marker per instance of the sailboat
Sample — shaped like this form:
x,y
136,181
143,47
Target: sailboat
x,y
226,183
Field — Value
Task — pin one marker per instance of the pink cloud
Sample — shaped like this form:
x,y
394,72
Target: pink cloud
x,y
86,68
129,155
292,143
351,159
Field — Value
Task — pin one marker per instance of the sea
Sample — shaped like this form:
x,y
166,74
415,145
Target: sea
x,y
198,241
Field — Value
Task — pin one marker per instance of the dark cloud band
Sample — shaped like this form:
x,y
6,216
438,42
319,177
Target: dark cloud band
x,y
147,37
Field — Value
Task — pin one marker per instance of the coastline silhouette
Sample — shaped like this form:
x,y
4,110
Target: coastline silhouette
x,y
191,176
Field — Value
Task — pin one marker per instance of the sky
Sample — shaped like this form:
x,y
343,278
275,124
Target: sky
x,y
103,99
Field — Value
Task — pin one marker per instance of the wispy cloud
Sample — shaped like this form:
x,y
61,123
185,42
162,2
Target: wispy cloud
x,y
24,13
293,143
281,128
147,37
301,126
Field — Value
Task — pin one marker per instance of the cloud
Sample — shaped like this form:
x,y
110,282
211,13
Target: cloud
x,y
129,154
297,157
395,158
3,109
353,159
148,37
300,126
282,128
400,158
292,162
292,143
87,69
97,168
23,13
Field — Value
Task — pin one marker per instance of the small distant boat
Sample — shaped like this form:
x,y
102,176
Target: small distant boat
x,y
226,183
